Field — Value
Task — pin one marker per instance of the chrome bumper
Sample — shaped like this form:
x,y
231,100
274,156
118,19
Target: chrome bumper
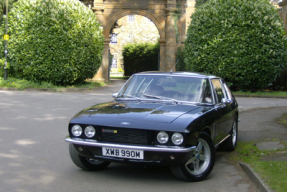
x,y
94,143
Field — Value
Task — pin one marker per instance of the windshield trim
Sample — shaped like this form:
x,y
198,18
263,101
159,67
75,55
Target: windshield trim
x,y
159,100
159,97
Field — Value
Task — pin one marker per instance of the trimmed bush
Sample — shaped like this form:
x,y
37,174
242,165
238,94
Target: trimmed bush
x,y
242,41
180,66
140,57
58,41
199,3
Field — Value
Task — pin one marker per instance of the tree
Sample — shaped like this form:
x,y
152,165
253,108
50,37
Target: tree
x,y
59,41
243,41
3,7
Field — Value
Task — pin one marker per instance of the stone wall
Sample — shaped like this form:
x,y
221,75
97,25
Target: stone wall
x,y
160,12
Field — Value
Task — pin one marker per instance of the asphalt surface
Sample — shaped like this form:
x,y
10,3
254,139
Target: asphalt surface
x,y
260,124
34,156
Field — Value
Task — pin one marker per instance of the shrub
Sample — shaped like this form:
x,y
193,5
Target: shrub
x,y
140,57
58,41
180,66
243,41
3,23
2,64
199,3
3,8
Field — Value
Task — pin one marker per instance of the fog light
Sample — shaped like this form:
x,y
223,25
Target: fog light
x,y
77,130
172,157
162,137
177,138
80,149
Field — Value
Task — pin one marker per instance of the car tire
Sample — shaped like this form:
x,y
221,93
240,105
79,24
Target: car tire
x,y
84,163
230,143
200,163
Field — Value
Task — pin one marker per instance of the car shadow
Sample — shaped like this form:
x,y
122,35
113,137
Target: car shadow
x,y
151,173
139,172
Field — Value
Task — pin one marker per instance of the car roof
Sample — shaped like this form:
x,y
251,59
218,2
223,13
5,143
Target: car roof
x,y
178,73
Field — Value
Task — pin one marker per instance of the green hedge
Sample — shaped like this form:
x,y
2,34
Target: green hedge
x,y
180,66
243,41
140,57
58,41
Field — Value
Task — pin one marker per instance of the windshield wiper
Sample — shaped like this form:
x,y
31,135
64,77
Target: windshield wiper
x,y
128,96
148,96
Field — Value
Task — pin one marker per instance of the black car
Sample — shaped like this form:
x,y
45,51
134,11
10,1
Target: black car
x,y
172,119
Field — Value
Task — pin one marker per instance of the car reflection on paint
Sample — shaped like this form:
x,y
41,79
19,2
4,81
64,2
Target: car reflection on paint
x,y
171,119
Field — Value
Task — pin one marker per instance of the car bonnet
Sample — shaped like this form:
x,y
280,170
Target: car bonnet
x,y
142,111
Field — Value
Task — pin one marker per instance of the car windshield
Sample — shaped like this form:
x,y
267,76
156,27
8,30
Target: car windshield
x,y
175,88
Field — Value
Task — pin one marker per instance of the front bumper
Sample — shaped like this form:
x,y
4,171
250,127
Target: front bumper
x,y
165,155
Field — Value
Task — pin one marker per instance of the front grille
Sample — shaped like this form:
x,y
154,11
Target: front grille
x,y
127,136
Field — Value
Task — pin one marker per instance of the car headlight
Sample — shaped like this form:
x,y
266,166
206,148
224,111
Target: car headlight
x,y
90,131
77,130
177,138
162,137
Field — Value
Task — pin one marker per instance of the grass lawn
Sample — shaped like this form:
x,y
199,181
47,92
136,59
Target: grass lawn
x,y
119,77
262,93
270,165
22,84
271,171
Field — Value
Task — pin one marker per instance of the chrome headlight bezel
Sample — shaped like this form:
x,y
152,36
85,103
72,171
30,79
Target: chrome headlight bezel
x,y
162,137
76,130
177,138
90,131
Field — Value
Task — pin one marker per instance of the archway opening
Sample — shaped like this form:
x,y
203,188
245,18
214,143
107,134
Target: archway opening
x,y
129,29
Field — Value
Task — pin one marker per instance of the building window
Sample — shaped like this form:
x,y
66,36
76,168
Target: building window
x,y
114,38
131,18
131,38
114,63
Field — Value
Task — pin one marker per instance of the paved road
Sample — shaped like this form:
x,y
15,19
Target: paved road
x,y
34,156
246,104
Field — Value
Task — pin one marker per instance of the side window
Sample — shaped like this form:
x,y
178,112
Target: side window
x,y
228,92
218,89
206,92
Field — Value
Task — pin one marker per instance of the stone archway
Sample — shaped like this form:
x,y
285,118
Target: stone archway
x,y
159,11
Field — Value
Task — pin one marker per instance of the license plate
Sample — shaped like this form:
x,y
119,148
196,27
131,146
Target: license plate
x,y
124,153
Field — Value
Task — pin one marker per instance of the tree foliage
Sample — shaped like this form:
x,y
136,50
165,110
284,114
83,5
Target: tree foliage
x,y
59,41
2,32
199,3
3,8
243,41
140,57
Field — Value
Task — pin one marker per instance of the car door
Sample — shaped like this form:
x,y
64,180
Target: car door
x,y
231,105
224,111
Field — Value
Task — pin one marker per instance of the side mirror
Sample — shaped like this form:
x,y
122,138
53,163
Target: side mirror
x,y
115,95
225,101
